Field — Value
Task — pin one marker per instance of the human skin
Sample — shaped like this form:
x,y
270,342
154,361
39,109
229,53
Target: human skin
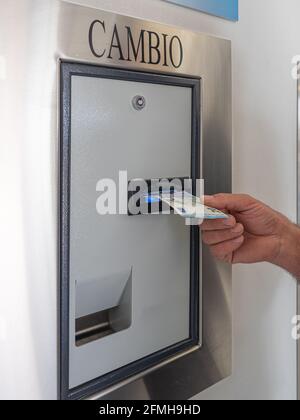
x,y
253,233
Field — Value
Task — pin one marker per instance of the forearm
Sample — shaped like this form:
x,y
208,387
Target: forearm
x,y
289,255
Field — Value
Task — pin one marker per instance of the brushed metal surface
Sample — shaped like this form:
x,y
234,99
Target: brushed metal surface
x,y
49,30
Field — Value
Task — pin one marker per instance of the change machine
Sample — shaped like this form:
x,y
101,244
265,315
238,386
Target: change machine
x,y
145,311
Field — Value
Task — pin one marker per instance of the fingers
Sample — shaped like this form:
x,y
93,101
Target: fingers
x,y
218,224
224,250
230,202
219,236
226,236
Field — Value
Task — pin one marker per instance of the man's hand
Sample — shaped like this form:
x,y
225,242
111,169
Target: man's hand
x,y
253,233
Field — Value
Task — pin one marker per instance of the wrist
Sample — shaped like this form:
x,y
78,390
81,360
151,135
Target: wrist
x,y
288,257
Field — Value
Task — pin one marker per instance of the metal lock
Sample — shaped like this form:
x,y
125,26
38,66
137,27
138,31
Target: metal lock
x,y
139,102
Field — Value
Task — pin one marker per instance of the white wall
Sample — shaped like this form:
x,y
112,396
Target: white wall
x,y
264,93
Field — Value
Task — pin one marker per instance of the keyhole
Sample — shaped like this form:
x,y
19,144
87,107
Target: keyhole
x,y
139,102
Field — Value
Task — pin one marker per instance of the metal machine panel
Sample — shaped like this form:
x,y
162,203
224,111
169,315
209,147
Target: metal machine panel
x,y
108,135
161,64
49,33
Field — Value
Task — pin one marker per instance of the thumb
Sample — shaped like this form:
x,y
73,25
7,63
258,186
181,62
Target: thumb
x,y
230,202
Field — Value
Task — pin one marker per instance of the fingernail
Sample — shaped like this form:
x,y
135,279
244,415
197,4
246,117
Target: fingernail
x,y
229,222
205,198
237,229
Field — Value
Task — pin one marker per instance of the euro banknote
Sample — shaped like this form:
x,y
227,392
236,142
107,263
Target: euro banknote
x,y
187,205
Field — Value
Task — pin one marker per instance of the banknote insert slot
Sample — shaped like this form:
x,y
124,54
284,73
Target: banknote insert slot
x,y
139,189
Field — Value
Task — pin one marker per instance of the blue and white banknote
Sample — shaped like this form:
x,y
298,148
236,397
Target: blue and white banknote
x,y
186,205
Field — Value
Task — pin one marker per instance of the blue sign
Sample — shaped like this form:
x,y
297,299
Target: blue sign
x,y
228,9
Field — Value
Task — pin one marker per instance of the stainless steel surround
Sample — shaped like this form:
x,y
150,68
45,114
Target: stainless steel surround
x,y
47,32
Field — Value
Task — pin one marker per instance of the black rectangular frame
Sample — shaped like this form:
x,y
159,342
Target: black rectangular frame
x,y
149,181
67,71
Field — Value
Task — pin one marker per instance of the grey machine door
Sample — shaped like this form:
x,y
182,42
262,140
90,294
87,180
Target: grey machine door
x,y
129,284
